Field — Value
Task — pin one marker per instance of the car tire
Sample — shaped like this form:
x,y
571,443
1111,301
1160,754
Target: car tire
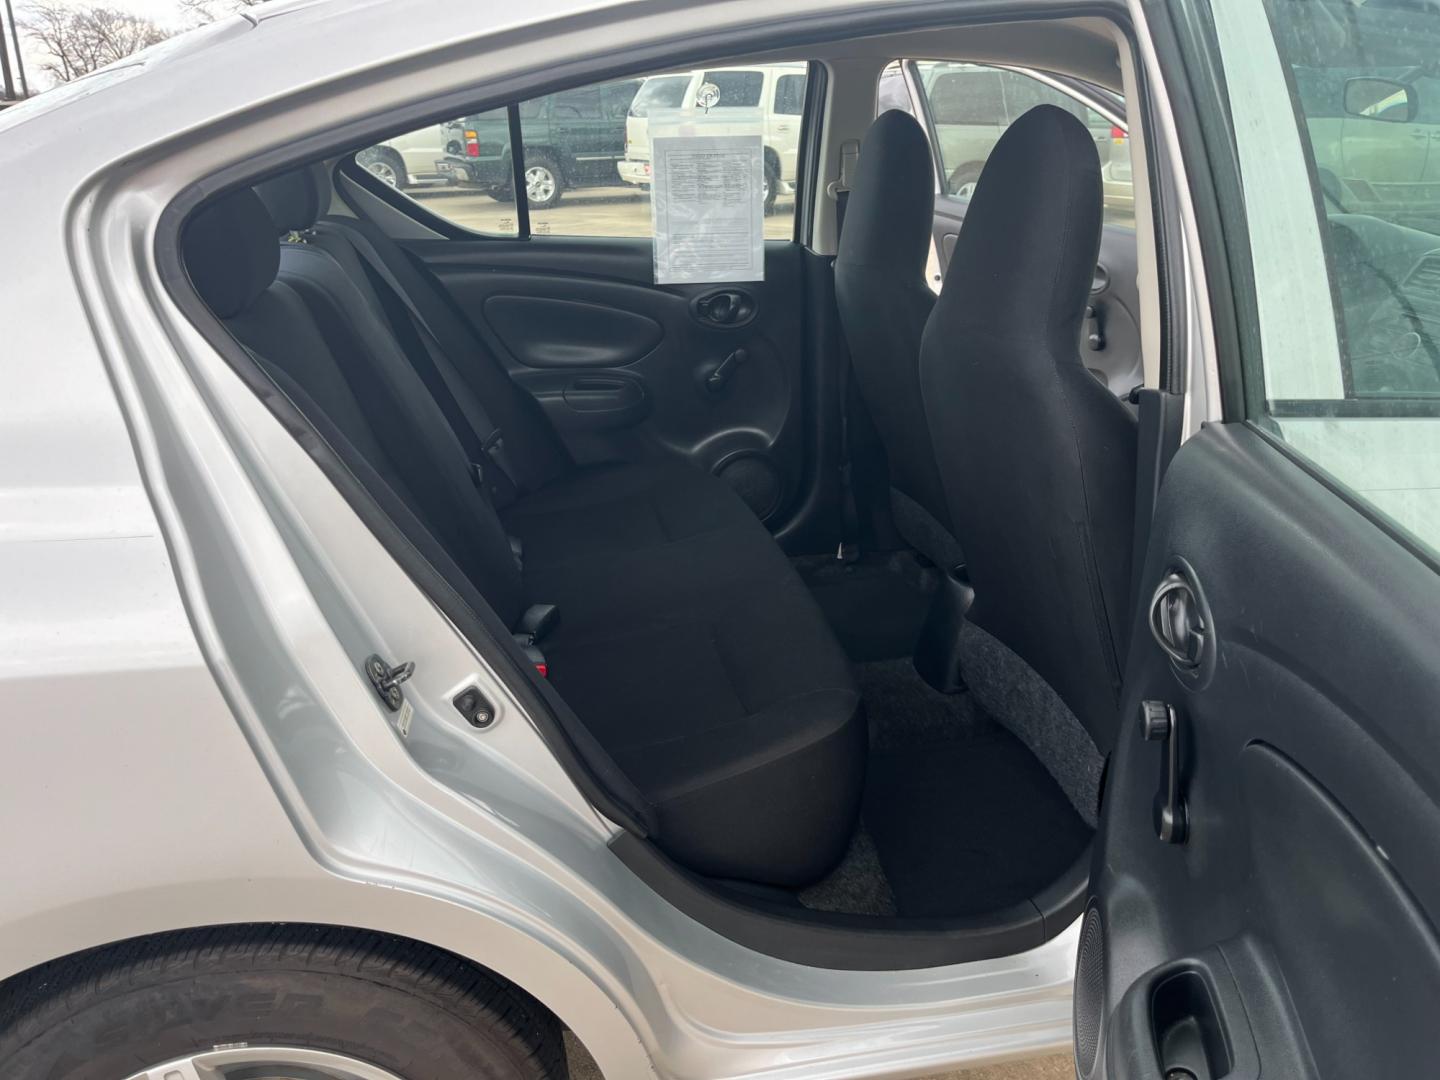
x,y
543,183
772,186
385,164
322,999
502,193
964,179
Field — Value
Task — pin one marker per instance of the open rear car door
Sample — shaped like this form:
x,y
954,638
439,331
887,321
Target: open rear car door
x,y
1266,882
1268,870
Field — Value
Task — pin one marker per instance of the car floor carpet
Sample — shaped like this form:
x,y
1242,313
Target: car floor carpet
x,y
876,605
959,818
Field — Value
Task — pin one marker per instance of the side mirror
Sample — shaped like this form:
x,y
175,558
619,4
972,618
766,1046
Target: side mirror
x,y
708,96
1381,99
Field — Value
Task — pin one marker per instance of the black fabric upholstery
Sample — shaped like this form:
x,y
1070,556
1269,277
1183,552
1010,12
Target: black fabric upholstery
x,y
296,199
231,253
538,457
1037,457
884,302
688,648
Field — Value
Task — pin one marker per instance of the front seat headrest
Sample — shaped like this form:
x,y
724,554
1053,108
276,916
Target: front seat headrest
x,y
891,208
296,199
1025,258
231,252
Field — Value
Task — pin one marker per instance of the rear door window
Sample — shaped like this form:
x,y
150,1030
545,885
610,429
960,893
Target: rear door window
x,y
587,154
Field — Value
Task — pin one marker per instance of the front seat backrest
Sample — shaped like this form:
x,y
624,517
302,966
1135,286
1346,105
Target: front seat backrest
x,y
1037,456
884,302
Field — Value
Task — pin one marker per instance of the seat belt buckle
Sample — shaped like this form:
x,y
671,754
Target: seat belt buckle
x,y
534,655
538,620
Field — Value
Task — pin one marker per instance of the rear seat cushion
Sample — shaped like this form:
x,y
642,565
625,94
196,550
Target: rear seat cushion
x,y
687,645
605,508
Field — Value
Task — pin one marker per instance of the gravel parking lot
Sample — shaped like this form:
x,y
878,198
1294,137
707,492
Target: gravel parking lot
x,y
617,211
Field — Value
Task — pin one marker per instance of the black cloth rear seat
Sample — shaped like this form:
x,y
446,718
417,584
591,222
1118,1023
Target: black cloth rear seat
x,y
687,645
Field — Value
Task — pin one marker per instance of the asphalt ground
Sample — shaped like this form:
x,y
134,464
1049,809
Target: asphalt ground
x,y
1049,1068
608,211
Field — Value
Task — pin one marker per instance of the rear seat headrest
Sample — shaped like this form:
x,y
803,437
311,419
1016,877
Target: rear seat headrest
x,y
231,252
296,199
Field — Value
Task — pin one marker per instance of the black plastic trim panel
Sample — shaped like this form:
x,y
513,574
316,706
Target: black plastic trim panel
x,y
859,942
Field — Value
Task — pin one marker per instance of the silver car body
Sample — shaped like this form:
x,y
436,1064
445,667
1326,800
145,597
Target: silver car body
x,y
186,598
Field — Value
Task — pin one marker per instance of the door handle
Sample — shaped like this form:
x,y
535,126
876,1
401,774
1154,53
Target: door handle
x,y
723,307
1176,623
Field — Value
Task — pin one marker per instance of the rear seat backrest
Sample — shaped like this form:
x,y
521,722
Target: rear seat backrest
x,y
297,310
298,202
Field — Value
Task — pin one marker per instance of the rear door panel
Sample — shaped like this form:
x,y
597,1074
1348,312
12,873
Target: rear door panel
x,y
626,369
1296,923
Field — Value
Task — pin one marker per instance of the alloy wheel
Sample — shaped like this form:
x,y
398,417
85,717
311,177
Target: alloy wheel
x,y
265,1063
539,183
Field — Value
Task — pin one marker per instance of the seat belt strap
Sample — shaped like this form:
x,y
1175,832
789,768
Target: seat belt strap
x,y
848,549
483,441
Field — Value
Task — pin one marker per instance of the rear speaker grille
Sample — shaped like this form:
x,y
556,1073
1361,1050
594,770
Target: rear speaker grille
x,y
1089,991
756,480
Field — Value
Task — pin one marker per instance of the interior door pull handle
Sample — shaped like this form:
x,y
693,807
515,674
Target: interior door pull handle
x,y
1175,621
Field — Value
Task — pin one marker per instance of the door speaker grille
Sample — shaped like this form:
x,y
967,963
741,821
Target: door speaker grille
x,y
1089,991
756,480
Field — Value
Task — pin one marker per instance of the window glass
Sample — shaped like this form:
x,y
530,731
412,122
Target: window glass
x,y
587,154
582,104
459,171
971,105
790,95
891,92
1337,126
738,89
660,92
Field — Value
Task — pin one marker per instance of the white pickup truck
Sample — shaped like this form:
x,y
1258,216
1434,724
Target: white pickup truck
x,y
777,90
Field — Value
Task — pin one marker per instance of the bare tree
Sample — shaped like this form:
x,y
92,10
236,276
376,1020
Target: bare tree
x,y
199,12
78,39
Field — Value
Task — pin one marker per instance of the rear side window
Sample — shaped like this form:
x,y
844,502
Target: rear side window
x,y
738,89
457,170
586,154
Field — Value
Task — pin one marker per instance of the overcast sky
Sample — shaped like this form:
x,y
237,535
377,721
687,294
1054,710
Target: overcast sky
x,y
165,12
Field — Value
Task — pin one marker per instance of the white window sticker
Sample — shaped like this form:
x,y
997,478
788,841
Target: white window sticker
x,y
707,198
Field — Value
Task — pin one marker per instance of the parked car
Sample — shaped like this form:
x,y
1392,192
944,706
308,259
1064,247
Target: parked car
x,y
427,653
572,140
972,104
777,91
413,157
